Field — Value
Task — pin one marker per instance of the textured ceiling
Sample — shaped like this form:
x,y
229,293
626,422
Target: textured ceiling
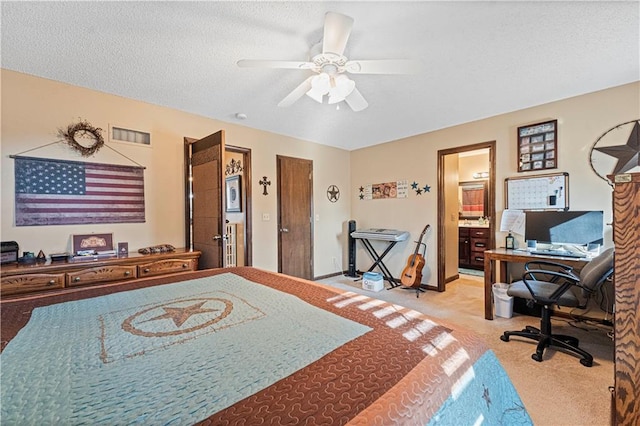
x,y
478,59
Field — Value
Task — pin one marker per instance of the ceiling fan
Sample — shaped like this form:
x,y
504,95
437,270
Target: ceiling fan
x,y
329,68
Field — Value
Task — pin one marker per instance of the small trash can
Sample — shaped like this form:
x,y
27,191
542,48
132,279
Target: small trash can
x,y
372,281
502,301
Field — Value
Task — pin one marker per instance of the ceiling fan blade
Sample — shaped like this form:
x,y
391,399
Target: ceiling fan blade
x,y
297,93
275,64
356,101
383,66
337,28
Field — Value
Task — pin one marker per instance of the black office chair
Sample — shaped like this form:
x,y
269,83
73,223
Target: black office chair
x,y
551,283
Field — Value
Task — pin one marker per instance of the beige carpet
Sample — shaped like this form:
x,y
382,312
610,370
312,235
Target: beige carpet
x,y
557,391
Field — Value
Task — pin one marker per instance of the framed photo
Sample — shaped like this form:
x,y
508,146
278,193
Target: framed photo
x,y
123,249
538,156
92,244
233,193
541,139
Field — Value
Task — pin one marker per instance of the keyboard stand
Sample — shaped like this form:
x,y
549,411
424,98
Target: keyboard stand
x,y
386,274
392,237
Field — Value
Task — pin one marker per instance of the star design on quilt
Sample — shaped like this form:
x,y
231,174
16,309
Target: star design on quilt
x,y
414,185
427,188
486,396
182,315
628,155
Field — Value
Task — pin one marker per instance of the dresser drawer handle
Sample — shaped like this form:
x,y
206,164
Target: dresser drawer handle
x,y
184,265
52,282
127,273
76,279
147,270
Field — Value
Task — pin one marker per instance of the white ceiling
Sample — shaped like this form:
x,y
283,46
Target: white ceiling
x,y
479,59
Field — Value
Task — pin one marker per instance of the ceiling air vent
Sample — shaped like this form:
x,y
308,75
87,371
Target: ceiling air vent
x,y
121,134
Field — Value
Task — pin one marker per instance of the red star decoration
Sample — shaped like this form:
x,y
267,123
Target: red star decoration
x,y
628,155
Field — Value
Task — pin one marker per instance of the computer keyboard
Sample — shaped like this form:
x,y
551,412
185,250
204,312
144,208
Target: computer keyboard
x,y
563,253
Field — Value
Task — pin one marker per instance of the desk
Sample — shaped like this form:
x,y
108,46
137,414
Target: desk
x,y
516,256
391,236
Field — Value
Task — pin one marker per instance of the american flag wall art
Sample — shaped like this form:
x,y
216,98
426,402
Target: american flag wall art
x,y
59,192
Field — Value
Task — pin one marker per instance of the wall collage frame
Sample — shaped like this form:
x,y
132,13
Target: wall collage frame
x,y
538,146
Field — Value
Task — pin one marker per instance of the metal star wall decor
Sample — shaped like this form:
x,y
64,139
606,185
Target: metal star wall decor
x,y
419,191
627,155
333,193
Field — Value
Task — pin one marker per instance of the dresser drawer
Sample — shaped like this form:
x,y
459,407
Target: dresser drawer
x,y
26,283
477,259
167,266
101,274
479,244
479,232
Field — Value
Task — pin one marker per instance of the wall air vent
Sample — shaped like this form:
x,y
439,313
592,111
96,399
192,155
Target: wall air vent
x,y
120,134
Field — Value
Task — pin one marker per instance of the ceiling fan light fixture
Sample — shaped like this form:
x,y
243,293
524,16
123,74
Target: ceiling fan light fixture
x,y
341,87
320,85
328,62
315,95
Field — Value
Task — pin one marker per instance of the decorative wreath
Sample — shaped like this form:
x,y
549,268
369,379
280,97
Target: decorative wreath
x,y
83,128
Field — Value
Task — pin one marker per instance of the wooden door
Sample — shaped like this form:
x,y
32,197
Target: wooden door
x,y
204,160
295,213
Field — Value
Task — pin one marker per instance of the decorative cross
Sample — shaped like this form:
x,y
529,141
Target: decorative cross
x,y
264,182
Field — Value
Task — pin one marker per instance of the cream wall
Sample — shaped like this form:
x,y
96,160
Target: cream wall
x,y
33,109
468,165
581,120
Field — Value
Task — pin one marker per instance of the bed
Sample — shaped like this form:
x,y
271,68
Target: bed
x,y
242,346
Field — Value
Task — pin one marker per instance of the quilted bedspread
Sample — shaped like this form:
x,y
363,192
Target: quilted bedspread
x,y
242,346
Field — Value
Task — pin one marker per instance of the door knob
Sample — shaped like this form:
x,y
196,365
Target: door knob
x,y
284,230
220,237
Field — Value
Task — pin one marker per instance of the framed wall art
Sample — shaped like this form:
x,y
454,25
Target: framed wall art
x,y
93,244
538,146
233,194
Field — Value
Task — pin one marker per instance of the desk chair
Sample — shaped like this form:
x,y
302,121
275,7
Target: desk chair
x,y
550,283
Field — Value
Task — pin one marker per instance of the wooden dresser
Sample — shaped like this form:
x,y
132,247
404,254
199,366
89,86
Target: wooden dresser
x,y
18,279
626,237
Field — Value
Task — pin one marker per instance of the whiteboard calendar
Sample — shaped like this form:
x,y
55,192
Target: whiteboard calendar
x,y
541,192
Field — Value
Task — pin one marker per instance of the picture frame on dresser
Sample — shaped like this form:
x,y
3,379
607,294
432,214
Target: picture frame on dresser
x,y
93,244
123,249
538,146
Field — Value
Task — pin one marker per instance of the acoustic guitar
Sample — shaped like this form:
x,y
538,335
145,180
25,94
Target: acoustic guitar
x,y
412,273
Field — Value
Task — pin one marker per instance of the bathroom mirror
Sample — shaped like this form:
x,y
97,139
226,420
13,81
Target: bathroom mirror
x,y
472,197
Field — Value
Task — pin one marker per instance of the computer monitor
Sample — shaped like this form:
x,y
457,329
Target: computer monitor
x,y
565,227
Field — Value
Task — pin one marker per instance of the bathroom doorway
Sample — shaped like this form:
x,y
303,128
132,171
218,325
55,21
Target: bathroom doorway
x,y
450,210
